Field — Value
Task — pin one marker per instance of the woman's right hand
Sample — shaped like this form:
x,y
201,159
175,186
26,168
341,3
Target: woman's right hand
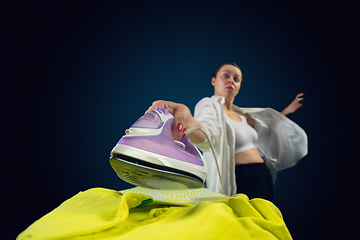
x,y
181,113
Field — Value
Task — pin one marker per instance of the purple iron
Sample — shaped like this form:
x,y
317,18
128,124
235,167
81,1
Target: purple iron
x,y
147,156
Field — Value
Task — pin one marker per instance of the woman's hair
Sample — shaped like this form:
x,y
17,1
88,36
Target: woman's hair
x,y
229,63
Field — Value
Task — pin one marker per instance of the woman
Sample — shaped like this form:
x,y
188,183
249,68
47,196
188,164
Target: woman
x,y
251,145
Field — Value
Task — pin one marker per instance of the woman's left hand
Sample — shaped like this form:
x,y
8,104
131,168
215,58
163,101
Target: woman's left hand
x,y
294,105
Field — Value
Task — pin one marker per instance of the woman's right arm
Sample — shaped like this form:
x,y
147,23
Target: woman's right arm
x,y
182,120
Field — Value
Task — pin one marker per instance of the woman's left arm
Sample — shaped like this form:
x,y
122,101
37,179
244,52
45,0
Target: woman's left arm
x,y
294,105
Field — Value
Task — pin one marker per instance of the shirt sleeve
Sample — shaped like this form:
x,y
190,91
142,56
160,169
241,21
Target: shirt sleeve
x,y
279,137
206,114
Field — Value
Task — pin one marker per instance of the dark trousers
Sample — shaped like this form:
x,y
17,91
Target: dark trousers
x,y
254,180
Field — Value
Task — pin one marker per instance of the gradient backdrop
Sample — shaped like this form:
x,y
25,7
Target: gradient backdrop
x,y
78,74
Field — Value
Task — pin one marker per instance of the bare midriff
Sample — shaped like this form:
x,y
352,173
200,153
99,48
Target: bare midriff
x,y
248,156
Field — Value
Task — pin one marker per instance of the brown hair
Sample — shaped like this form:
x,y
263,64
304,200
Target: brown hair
x,y
229,63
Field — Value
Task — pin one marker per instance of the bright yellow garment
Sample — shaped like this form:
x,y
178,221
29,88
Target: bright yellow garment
x,y
139,213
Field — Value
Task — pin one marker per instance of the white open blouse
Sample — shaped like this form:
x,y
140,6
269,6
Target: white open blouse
x,y
281,142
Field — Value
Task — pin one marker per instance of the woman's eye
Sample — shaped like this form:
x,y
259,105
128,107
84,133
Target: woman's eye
x,y
226,76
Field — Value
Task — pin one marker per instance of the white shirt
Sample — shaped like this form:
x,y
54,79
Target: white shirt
x,y
281,142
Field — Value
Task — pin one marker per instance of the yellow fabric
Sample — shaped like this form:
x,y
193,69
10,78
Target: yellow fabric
x,y
100,213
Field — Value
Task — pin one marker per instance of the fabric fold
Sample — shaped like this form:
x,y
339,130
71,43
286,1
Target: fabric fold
x,y
101,213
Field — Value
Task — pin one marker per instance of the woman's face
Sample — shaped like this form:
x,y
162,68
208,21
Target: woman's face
x,y
227,82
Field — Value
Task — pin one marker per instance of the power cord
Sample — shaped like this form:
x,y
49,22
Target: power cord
x,y
196,128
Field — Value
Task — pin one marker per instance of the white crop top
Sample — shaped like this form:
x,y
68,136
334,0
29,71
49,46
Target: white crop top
x,y
245,135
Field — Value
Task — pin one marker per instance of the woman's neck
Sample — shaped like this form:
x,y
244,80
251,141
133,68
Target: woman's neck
x,y
228,104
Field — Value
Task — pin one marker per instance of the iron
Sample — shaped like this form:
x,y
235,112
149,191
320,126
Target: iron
x,y
147,156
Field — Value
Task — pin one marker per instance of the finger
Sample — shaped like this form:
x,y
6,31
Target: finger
x,y
156,104
171,106
300,94
184,133
150,109
300,99
177,131
180,126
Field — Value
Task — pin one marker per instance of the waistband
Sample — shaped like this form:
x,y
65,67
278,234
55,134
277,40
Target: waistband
x,y
250,165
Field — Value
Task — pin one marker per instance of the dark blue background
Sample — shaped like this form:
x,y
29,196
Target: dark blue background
x,y
76,75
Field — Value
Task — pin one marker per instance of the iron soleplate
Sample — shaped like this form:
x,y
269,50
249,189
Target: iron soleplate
x,y
148,175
